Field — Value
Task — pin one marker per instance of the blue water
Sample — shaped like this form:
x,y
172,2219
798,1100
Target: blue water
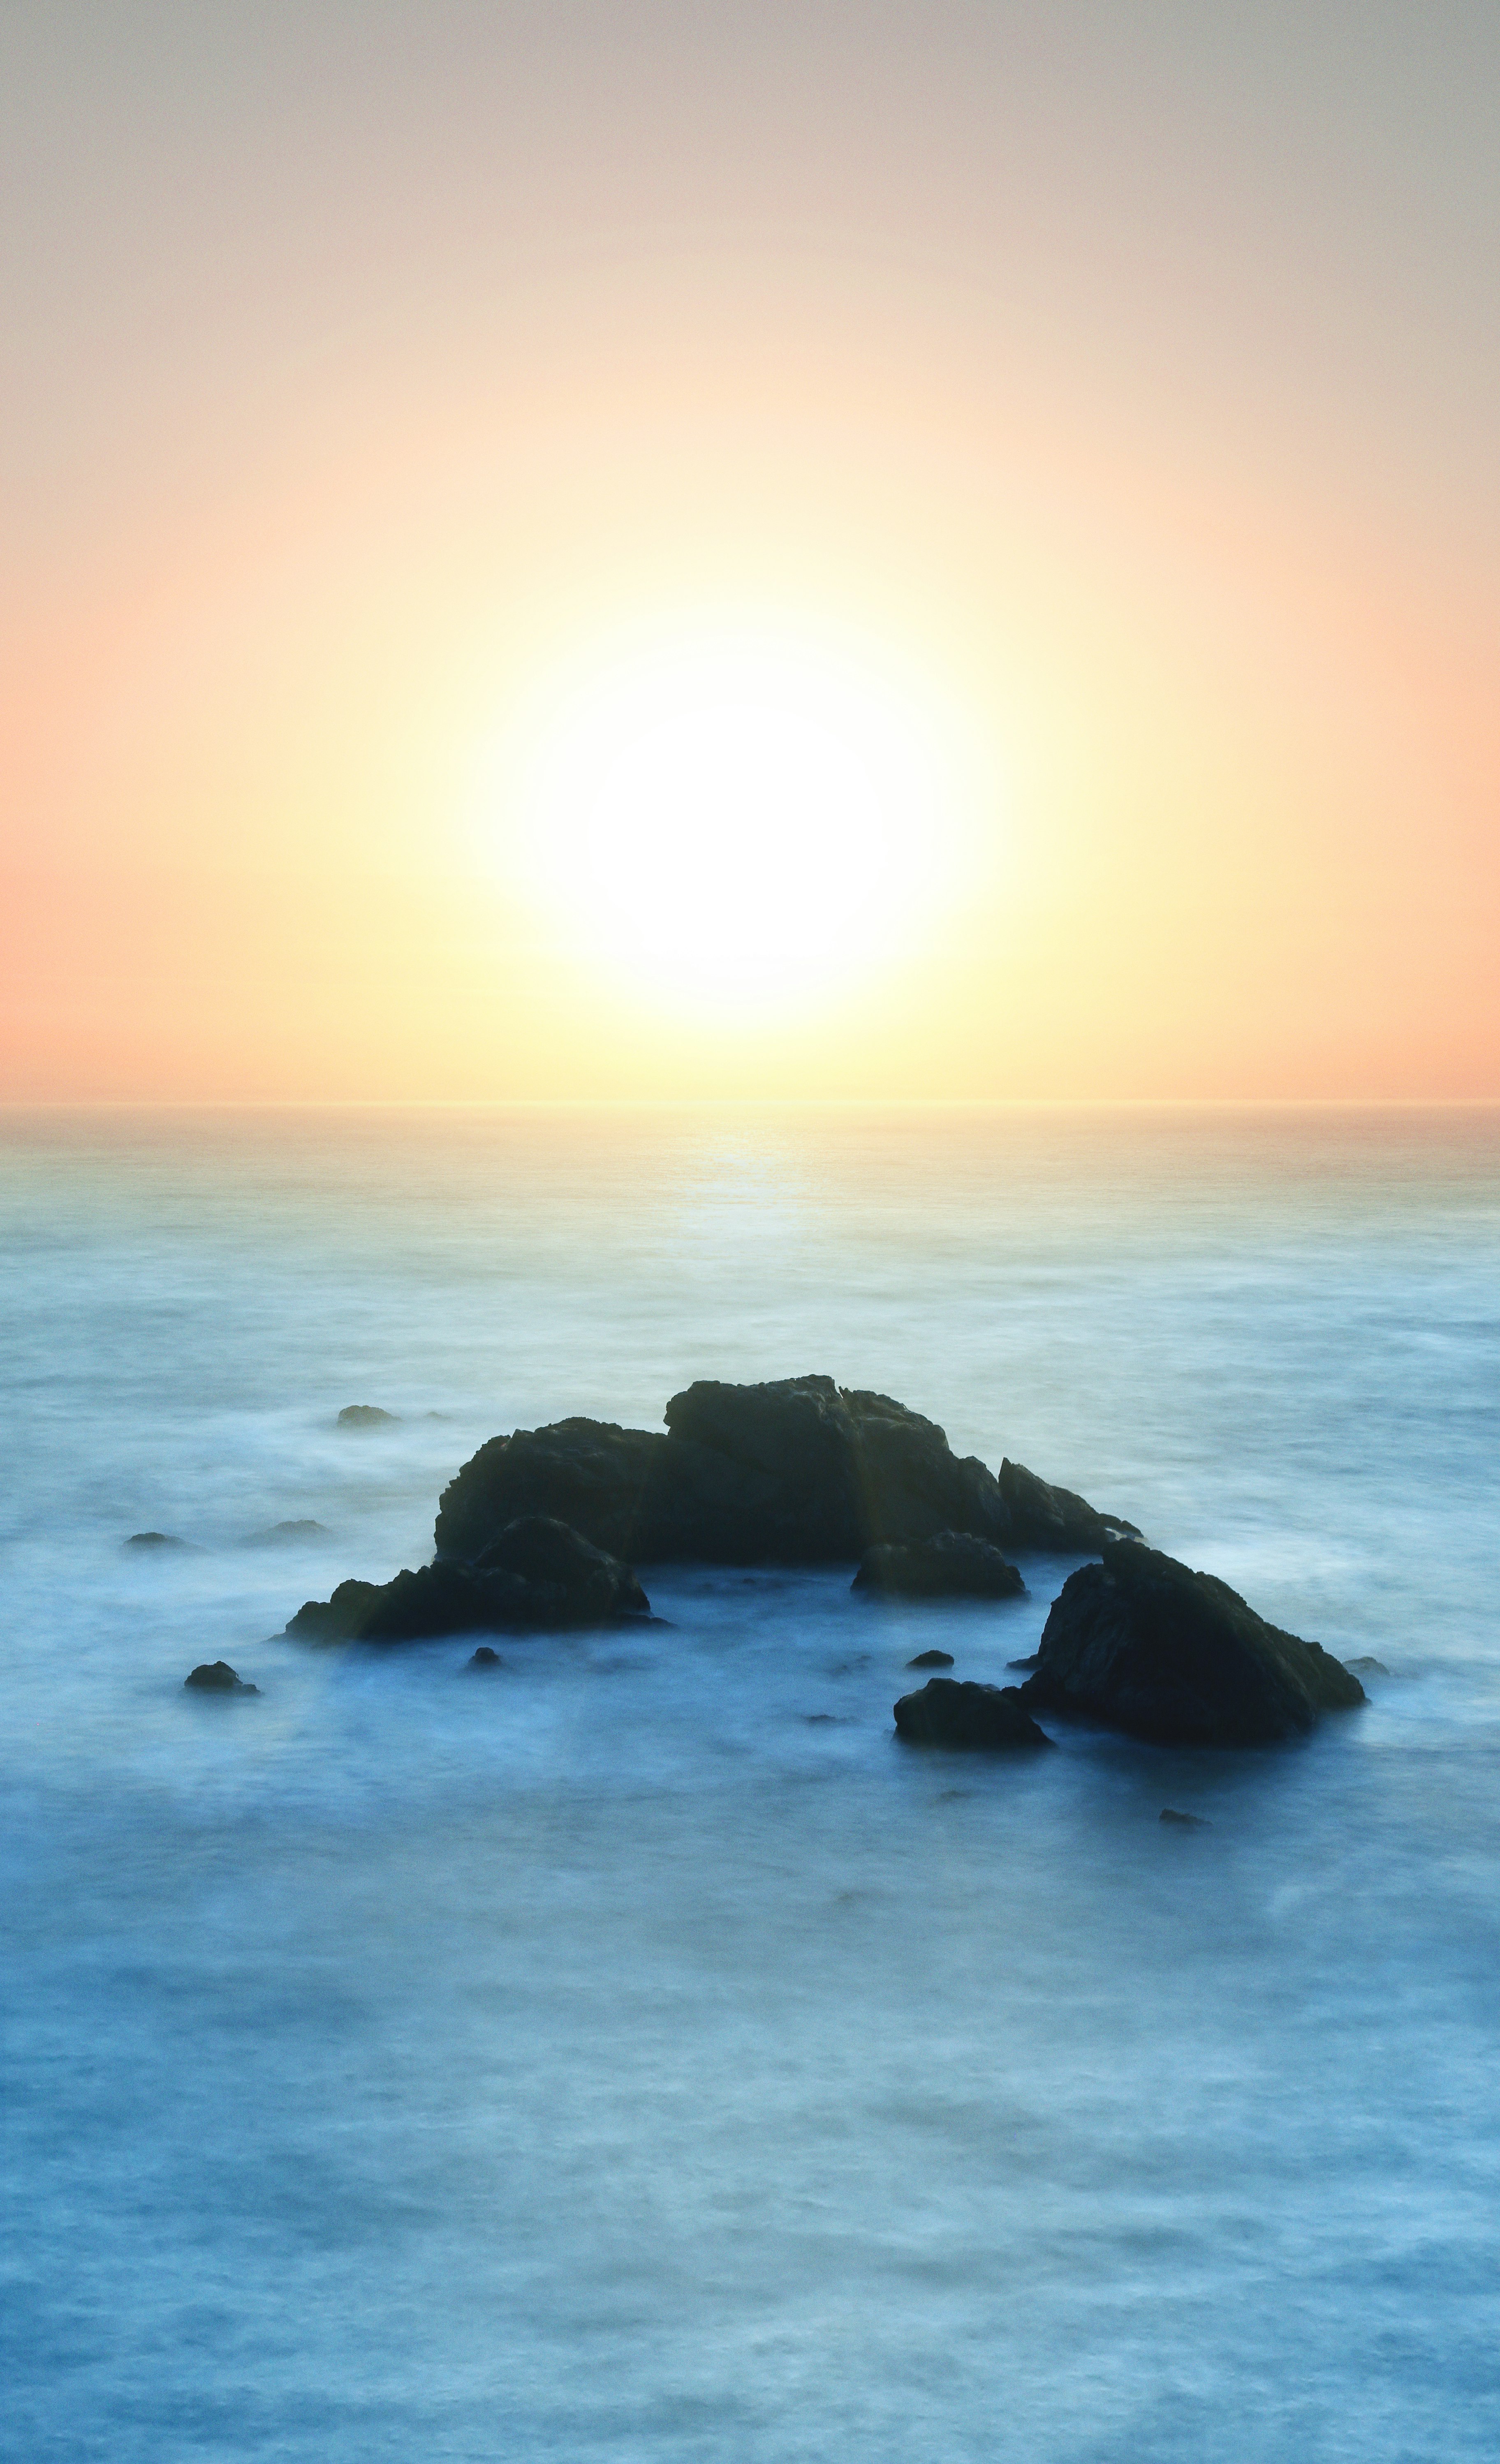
x,y
638,2054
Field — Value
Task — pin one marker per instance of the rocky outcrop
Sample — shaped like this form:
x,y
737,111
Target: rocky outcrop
x,y
535,1574
216,1677
366,1415
932,1659
797,1471
1141,1643
153,1540
969,1717
951,1566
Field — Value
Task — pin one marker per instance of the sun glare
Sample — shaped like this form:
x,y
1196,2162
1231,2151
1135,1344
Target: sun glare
x,y
736,819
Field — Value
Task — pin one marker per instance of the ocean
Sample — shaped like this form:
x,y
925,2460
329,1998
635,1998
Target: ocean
x,y
640,2054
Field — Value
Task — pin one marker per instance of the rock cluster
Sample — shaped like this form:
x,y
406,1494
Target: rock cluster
x,y
1141,1643
797,1471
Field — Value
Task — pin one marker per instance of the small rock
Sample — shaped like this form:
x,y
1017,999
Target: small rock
x,y
366,1415
1184,1821
932,1659
217,1677
953,1565
305,1528
1367,1665
974,1719
486,1656
155,1540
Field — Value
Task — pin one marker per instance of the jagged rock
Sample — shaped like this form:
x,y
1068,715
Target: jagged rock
x,y
932,1659
974,1719
795,1471
1184,1821
1044,1517
1144,1644
217,1677
154,1540
953,1565
366,1415
535,1574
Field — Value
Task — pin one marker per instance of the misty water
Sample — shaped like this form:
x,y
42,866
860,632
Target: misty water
x,y
639,2054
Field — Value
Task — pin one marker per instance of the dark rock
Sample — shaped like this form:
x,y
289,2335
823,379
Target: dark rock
x,y
795,1471
1184,1821
366,1415
217,1677
1367,1665
337,1620
536,1576
1144,1644
284,1533
1044,1517
486,1656
154,1540
932,1659
976,1718
1023,1663
952,1565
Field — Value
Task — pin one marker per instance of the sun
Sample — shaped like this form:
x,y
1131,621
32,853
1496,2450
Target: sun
x,y
735,818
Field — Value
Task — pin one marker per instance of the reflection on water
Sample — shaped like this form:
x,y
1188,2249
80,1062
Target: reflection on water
x,y
637,2054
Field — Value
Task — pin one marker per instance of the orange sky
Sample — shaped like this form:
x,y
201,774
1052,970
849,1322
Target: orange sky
x,y
1127,379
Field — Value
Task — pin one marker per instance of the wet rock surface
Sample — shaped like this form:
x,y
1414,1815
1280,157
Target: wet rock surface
x,y
535,1574
967,1718
795,1471
951,1566
1144,1644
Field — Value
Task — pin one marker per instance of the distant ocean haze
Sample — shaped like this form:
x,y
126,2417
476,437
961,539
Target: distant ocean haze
x,y
640,2053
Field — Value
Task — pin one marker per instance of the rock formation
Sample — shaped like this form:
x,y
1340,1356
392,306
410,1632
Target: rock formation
x,y
1143,1645
951,1566
974,1719
798,1471
536,1574
217,1677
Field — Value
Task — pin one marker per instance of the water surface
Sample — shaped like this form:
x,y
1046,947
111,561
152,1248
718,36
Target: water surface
x,y
638,2054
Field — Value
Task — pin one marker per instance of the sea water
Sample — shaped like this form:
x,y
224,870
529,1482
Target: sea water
x,y
638,2053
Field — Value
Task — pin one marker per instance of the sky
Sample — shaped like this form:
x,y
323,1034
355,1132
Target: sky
x,y
881,551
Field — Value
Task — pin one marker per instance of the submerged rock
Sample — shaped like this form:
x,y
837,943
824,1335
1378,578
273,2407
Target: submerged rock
x,y
1184,1821
217,1677
1141,1643
974,1719
366,1415
932,1659
795,1471
283,1534
1367,1665
535,1574
484,1658
153,1540
952,1565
